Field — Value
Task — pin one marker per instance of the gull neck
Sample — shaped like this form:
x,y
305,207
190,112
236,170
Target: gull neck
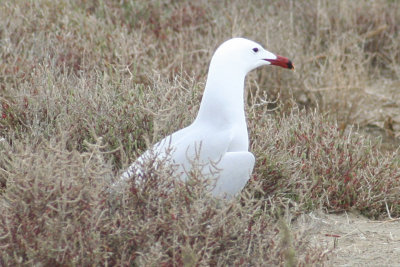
x,y
223,99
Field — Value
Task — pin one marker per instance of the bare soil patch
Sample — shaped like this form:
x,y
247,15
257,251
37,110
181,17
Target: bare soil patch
x,y
355,240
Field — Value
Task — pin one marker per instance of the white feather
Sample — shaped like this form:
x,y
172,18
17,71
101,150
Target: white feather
x,y
219,133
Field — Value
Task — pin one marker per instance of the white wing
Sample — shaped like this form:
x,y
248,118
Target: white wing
x,y
201,145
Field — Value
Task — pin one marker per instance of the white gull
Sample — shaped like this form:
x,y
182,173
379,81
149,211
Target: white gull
x,y
217,140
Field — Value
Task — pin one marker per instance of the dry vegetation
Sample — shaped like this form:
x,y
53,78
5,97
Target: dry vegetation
x,y
86,86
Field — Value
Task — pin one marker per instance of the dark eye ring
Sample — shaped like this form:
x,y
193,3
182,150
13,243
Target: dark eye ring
x,y
255,49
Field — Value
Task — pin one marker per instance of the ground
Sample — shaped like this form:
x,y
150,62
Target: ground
x,y
354,240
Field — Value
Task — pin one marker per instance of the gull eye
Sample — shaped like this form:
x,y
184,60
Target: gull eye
x,y
255,49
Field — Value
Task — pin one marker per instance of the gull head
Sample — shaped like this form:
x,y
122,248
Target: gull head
x,y
246,55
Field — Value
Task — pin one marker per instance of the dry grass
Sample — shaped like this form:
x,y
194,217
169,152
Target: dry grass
x,y
307,159
86,86
55,210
